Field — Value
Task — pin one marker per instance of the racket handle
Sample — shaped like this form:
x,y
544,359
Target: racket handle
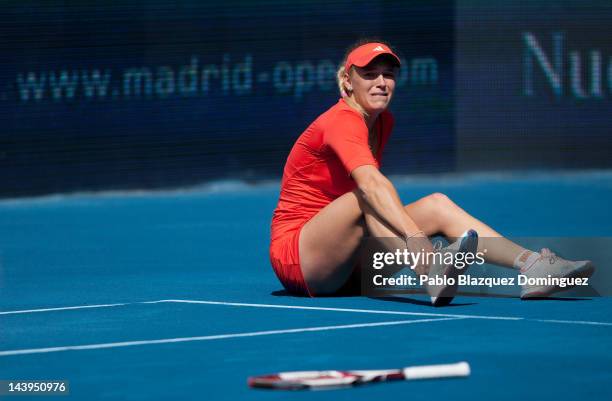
x,y
458,369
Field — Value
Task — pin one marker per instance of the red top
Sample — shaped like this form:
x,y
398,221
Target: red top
x,y
319,166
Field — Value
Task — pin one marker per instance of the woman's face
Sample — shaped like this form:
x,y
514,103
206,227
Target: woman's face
x,y
373,84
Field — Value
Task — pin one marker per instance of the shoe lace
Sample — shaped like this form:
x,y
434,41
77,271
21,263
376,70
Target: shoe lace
x,y
547,253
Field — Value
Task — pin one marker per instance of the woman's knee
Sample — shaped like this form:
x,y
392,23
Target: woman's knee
x,y
439,200
435,204
444,208
432,212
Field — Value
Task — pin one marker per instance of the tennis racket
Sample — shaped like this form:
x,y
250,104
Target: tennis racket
x,y
326,379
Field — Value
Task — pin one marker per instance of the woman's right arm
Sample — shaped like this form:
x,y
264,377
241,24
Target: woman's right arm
x,y
380,194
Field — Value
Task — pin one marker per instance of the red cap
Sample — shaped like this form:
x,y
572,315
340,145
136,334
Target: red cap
x,y
364,54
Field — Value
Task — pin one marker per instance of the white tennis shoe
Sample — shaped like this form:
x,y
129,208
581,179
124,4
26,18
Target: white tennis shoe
x,y
549,264
442,295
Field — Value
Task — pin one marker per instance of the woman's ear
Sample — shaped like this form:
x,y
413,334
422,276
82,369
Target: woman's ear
x,y
348,85
347,82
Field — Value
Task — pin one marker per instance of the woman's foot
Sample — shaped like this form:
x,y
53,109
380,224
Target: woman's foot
x,y
442,295
549,264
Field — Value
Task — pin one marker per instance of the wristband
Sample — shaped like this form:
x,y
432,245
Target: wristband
x,y
406,238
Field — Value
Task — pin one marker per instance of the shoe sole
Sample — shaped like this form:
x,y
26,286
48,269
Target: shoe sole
x,y
585,271
469,243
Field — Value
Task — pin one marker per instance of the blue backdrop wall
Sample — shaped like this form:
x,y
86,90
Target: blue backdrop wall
x,y
533,84
146,94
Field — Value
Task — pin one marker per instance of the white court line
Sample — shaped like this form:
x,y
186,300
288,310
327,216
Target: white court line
x,y
384,312
14,312
213,337
573,322
375,311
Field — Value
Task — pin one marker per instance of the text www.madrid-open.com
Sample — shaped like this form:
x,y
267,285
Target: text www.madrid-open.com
x,y
196,78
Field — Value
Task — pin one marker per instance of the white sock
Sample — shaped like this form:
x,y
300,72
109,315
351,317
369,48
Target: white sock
x,y
525,259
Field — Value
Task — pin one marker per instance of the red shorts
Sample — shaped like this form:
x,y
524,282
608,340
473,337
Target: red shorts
x,y
285,259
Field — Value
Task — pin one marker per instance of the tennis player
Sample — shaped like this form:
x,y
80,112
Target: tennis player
x,y
333,194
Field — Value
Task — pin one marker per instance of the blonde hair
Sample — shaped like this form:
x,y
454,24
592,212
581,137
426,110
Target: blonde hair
x,y
347,94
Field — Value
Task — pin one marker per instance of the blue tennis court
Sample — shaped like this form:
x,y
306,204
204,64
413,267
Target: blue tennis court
x,y
170,295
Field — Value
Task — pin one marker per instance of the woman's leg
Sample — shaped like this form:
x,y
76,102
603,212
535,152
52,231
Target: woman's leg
x,y
436,213
329,241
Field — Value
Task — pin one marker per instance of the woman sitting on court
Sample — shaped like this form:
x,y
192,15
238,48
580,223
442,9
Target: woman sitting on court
x,y
333,194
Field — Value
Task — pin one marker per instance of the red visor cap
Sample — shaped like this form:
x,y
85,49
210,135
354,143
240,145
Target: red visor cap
x,y
364,54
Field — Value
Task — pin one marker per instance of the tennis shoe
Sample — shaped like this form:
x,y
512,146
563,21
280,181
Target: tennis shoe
x,y
549,264
443,294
